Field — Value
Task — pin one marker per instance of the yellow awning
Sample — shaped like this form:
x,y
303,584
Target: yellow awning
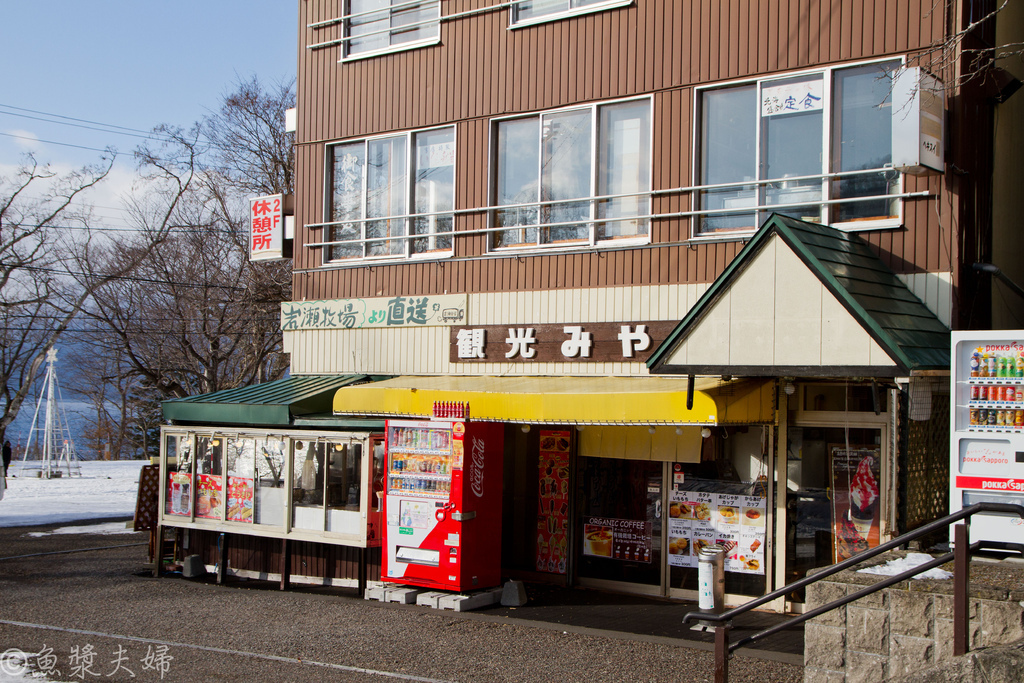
x,y
567,400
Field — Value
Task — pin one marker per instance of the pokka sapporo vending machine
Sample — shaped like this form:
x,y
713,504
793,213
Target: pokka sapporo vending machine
x,y
987,440
443,501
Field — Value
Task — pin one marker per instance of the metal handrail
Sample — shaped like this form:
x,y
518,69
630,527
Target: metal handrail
x,y
960,556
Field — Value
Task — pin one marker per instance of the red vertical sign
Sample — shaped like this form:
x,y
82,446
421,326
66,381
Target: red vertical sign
x,y
266,227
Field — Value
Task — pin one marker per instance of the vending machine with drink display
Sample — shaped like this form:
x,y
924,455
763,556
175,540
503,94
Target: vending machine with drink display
x,y
443,501
987,418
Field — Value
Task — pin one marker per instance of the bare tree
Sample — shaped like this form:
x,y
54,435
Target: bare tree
x,y
42,227
973,50
194,315
254,154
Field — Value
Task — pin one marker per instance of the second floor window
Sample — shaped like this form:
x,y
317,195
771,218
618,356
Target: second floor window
x,y
391,196
533,11
573,177
374,26
815,146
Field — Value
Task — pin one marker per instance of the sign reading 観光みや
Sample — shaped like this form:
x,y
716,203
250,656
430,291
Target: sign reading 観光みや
x,y
266,227
579,342
351,314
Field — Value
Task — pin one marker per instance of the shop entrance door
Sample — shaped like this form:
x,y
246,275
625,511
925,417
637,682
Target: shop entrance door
x,y
837,498
619,516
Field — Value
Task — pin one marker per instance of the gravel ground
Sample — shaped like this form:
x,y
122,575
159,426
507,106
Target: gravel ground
x,y
105,605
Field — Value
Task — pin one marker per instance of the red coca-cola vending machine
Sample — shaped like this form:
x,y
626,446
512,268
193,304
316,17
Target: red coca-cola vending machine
x,y
443,501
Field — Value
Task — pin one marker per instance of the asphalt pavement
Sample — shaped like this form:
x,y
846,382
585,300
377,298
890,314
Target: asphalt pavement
x,y
85,607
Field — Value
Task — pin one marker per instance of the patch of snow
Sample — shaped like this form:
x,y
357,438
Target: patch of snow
x,y
898,566
103,529
105,489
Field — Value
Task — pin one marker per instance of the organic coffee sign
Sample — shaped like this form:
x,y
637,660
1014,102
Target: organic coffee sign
x,y
566,342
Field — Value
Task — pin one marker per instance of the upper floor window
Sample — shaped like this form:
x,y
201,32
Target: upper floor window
x,y
535,11
374,182
816,146
573,177
375,26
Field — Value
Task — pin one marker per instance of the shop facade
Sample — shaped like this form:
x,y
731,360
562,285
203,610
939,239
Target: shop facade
x,y
688,266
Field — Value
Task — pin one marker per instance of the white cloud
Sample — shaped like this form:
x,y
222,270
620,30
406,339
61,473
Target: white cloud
x,y
25,140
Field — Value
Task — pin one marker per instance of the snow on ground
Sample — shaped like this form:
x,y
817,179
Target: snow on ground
x,y
105,489
912,560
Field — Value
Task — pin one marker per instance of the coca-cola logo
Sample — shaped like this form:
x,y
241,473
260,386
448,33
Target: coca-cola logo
x,y
476,468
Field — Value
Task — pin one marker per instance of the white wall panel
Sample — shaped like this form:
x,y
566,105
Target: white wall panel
x,y
425,350
935,290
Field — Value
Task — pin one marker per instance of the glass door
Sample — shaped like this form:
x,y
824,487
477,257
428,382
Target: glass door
x,y
619,519
837,499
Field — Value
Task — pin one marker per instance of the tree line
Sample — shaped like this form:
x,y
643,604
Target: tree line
x,y
169,308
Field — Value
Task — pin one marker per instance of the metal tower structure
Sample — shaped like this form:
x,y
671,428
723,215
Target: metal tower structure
x,y
58,457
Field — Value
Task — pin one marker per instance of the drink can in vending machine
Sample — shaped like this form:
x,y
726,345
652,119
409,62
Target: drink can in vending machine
x,y
974,416
1018,420
975,392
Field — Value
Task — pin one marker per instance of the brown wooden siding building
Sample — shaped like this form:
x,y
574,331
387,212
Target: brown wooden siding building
x,y
481,69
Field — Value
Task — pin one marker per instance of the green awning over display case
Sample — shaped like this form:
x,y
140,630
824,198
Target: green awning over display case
x,y
271,404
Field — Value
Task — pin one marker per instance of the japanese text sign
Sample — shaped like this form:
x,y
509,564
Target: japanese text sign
x,y
398,311
579,342
266,227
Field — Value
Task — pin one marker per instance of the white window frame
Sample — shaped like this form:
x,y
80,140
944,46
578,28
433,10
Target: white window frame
x,y
348,56
593,197
409,217
513,23
827,175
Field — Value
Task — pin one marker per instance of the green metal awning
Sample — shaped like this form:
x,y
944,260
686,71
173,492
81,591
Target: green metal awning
x,y
272,404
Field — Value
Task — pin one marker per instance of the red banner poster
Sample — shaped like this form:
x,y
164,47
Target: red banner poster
x,y
209,499
553,502
240,496
856,490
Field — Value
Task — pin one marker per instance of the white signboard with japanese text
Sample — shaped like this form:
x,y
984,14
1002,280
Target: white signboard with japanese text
x,y
791,97
266,228
398,311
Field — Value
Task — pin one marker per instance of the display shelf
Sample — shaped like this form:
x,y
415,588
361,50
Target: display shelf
x,y
997,429
422,451
431,485
993,380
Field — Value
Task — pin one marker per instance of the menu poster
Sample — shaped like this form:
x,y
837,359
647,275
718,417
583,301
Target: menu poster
x,y
698,519
856,473
179,493
553,502
209,503
629,540
240,497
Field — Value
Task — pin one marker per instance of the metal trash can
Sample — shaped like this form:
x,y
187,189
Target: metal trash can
x,y
711,578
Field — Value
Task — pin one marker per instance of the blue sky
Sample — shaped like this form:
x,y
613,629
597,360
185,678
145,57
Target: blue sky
x,y
128,63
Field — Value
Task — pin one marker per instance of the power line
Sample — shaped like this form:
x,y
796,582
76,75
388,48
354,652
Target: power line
x,y
71,118
83,126
52,142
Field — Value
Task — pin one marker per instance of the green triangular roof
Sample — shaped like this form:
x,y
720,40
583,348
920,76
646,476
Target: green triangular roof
x,y
890,313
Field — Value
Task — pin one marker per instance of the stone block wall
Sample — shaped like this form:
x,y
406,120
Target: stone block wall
x,y
902,629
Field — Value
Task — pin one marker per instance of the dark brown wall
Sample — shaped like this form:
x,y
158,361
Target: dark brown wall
x,y
259,554
661,47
